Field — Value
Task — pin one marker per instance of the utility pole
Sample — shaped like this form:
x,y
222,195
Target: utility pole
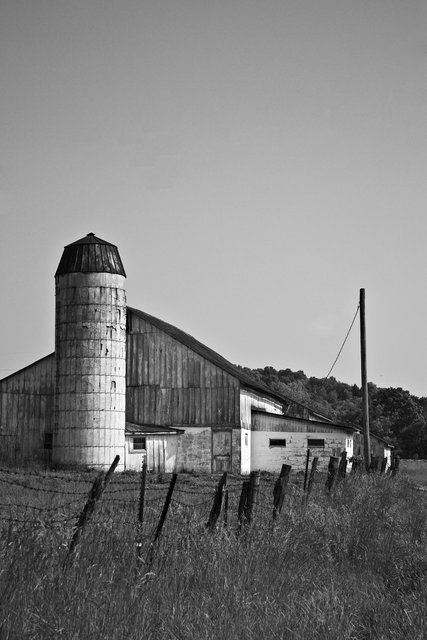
x,y
365,402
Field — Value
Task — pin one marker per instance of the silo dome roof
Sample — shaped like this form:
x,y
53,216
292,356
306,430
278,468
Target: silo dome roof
x,y
90,255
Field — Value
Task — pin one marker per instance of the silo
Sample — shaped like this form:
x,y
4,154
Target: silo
x,y
90,351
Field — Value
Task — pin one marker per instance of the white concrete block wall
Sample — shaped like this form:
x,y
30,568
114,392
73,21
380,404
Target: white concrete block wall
x,y
270,458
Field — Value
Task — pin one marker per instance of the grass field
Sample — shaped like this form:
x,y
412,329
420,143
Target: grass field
x,y
350,565
415,470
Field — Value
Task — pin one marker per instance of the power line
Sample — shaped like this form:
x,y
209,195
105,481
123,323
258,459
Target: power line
x,y
345,340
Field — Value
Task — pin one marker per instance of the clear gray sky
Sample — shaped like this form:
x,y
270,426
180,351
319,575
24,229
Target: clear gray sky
x,y
256,162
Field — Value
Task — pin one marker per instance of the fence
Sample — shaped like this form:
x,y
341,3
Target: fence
x,y
141,509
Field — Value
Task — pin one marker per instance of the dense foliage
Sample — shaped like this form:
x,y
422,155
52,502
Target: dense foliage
x,y
394,413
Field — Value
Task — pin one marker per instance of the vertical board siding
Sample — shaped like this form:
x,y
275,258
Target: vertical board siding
x,y
26,411
170,384
250,400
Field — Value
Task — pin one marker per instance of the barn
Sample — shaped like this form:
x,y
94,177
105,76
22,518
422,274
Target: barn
x,y
124,382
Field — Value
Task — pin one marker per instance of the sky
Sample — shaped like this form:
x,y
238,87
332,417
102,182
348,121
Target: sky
x,y
256,162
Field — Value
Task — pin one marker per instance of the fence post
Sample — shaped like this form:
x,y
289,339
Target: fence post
x,y
225,507
374,464
168,499
217,503
280,488
141,507
332,472
306,469
254,482
342,469
395,465
242,509
101,481
312,475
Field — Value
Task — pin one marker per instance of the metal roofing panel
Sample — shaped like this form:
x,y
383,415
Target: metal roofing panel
x,y
90,255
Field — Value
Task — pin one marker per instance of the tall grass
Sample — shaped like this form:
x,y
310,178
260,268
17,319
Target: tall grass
x,y
348,565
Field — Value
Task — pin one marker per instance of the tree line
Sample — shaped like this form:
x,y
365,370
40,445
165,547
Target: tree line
x,y
394,413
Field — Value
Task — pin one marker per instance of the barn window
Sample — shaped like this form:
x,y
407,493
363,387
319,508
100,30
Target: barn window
x,y
277,442
47,441
316,442
138,443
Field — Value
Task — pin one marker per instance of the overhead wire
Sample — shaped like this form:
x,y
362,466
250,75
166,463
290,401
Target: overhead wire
x,y
342,346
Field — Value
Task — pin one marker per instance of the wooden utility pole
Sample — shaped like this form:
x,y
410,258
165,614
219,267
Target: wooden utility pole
x,y
365,402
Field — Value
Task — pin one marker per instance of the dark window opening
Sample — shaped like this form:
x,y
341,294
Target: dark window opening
x,y
48,441
139,443
316,442
277,442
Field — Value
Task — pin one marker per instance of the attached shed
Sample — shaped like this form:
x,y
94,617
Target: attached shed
x,y
380,448
155,446
281,439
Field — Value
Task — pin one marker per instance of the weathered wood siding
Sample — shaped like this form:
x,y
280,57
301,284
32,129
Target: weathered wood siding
x,y
160,455
250,400
27,412
169,384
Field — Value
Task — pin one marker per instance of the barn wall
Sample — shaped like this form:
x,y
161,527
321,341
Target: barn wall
x,y
250,400
169,384
296,433
27,412
195,450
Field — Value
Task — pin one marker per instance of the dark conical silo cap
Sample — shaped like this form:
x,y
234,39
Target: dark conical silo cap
x,y
90,255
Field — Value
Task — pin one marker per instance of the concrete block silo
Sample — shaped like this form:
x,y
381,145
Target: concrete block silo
x,y
90,350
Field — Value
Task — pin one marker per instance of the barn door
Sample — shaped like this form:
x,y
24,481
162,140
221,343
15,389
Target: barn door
x,y
221,450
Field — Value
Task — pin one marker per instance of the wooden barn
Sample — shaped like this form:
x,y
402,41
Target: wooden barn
x,y
163,397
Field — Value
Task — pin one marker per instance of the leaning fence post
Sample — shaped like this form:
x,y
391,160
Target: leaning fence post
x,y
101,481
217,503
280,488
225,506
141,506
332,472
254,482
312,475
395,465
168,499
242,509
374,464
306,469
342,469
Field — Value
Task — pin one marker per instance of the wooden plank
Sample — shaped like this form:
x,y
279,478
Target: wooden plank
x,y
185,355
197,405
203,404
179,382
138,357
